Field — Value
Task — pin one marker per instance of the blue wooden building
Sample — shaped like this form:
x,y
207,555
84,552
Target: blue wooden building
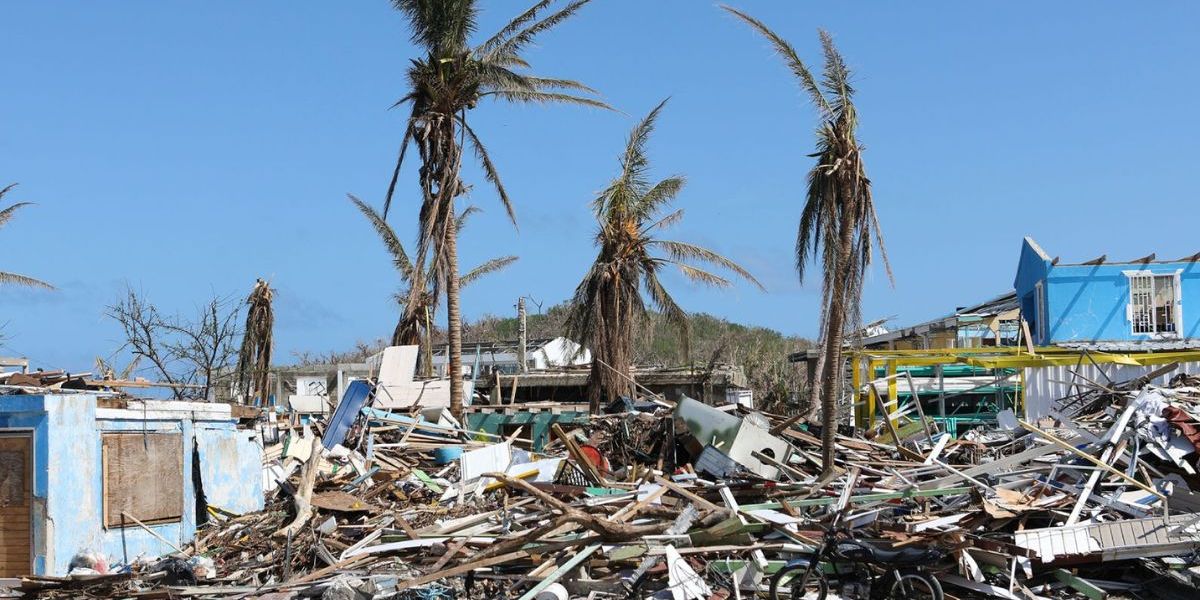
x,y
1142,305
124,478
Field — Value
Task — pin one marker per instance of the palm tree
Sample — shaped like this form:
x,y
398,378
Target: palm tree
x,y
445,84
254,357
6,215
838,223
418,299
608,304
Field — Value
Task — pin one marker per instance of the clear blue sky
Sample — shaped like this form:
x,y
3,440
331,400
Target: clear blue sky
x,y
189,147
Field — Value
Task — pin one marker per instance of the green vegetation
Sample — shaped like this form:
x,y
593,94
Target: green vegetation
x,y
761,351
445,83
612,302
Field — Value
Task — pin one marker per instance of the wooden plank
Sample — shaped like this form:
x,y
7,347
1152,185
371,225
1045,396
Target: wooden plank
x,y
865,498
16,496
460,569
1080,585
1090,458
996,466
701,502
560,571
592,472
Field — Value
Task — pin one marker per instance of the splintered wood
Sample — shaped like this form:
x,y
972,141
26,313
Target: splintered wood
x,y
692,501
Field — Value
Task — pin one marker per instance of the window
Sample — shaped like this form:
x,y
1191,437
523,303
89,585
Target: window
x,y
1008,331
143,477
1153,303
1040,311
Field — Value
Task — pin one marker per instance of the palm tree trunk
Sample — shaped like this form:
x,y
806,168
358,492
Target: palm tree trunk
x,y
454,317
594,386
835,324
830,380
427,346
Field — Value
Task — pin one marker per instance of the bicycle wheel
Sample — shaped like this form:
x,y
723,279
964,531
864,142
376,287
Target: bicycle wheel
x,y
915,586
800,584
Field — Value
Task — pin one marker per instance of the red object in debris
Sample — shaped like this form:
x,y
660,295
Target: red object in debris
x,y
1186,424
592,454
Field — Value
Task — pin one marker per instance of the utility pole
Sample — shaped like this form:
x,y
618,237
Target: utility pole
x,y
522,335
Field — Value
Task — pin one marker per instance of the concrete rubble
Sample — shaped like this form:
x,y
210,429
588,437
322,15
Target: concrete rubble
x,y
689,501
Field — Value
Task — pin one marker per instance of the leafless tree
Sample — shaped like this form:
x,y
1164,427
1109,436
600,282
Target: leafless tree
x,y
189,354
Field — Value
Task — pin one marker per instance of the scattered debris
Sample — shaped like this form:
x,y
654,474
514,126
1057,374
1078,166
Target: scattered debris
x,y
689,501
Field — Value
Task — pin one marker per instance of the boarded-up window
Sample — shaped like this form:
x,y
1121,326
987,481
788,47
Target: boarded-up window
x,y
143,476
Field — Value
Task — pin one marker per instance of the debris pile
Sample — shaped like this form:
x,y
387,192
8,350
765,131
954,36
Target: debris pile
x,y
688,501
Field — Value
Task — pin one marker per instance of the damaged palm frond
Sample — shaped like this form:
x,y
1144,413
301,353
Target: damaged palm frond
x,y
6,215
608,304
254,358
449,80
387,235
421,284
491,266
838,223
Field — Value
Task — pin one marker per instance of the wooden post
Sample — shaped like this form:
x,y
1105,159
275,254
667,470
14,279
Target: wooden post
x,y
522,338
893,400
856,394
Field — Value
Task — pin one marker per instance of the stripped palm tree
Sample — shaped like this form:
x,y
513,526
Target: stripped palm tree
x,y
444,85
838,224
418,297
608,305
254,358
6,215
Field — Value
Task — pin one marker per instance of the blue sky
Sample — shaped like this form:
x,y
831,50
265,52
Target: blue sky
x,y
185,148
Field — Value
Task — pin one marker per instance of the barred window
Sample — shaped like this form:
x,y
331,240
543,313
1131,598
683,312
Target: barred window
x,y
1153,301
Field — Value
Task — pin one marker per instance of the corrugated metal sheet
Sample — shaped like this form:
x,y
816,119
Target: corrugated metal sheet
x,y
1118,540
1045,385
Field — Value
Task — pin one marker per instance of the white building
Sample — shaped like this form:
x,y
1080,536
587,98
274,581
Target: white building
x,y
501,357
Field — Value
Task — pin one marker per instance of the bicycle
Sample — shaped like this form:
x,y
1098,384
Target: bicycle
x,y
860,570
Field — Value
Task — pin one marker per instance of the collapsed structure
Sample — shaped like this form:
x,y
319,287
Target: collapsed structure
x,y
1045,443
694,500
86,471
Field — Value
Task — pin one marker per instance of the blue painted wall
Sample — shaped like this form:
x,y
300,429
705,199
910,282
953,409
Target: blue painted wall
x,y
231,480
68,475
28,414
1087,303
1032,267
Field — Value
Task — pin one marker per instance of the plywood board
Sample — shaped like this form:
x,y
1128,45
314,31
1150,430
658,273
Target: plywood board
x,y
143,476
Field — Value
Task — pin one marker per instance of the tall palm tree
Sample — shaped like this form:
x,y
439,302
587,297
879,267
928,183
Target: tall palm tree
x,y
418,298
608,304
6,215
445,84
838,223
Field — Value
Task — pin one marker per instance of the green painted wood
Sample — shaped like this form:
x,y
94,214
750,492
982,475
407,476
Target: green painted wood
x,y
861,499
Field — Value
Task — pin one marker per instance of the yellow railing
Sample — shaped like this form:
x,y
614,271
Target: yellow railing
x,y
866,362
